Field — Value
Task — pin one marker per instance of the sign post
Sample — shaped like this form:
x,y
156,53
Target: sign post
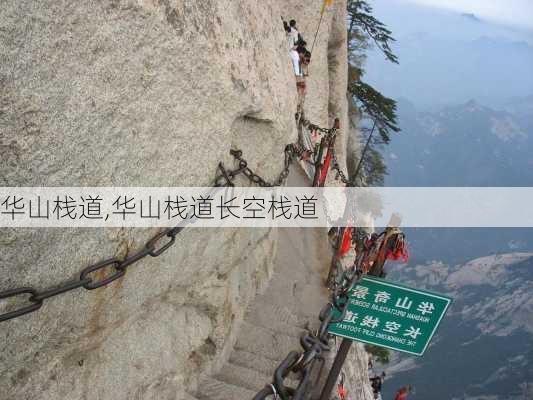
x,y
389,315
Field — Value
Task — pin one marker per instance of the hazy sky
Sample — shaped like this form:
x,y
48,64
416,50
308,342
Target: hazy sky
x,y
518,13
446,58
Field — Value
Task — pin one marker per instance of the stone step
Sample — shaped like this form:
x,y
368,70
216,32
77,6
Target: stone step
x,y
290,286
254,361
249,378
242,376
295,310
212,389
308,251
294,292
278,318
263,365
264,342
275,320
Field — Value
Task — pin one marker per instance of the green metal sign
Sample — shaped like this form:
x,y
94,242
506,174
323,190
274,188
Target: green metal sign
x,y
391,315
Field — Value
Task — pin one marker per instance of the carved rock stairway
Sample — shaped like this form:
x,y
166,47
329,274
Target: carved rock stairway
x,y
274,321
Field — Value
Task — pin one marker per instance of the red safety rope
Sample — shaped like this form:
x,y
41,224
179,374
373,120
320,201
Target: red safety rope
x,y
327,161
325,168
394,249
318,163
343,392
346,242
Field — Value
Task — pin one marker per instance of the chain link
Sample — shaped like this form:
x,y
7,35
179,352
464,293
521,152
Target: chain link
x,y
227,177
337,168
328,132
114,269
310,126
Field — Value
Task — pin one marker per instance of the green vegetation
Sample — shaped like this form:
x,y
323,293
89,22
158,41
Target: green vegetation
x,y
364,27
381,354
368,104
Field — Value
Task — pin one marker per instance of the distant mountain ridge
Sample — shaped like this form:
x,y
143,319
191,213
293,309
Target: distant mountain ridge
x,y
484,348
439,66
462,145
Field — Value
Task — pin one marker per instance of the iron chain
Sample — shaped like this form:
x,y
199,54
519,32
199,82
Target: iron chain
x,y
340,173
157,245
310,126
115,268
328,132
226,177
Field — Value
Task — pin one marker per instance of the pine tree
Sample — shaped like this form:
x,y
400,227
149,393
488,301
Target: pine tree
x,y
373,105
368,104
361,23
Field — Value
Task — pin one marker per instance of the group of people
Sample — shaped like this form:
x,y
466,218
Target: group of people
x,y
299,54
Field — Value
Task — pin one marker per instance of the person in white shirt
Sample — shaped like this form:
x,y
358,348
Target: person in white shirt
x,y
293,37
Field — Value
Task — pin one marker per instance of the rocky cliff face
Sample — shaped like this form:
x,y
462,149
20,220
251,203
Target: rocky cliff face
x,y
145,93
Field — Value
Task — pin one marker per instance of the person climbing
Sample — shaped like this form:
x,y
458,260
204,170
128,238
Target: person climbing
x,y
307,60
294,38
295,34
305,56
300,47
377,382
403,392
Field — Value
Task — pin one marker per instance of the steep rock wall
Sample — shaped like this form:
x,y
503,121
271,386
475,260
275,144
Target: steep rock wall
x,y
144,93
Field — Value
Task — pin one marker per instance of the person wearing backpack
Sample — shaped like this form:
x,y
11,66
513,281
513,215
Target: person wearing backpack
x,y
294,38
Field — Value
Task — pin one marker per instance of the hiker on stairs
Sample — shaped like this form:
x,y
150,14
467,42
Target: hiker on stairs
x,y
300,58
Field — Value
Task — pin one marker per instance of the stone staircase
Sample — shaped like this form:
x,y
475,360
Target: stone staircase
x,y
274,321
276,318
